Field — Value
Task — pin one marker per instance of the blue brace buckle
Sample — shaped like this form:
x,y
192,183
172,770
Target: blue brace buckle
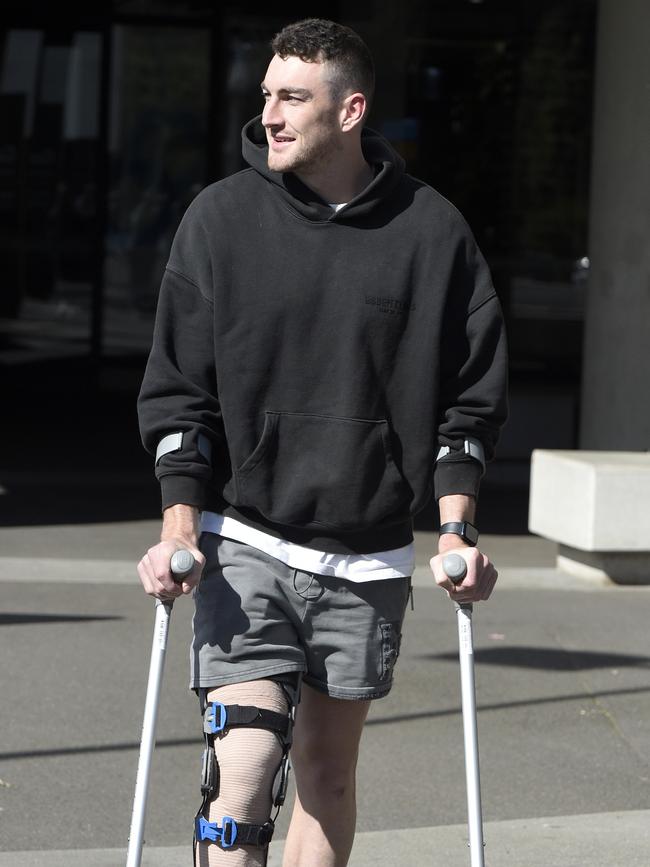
x,y
215,718
224,836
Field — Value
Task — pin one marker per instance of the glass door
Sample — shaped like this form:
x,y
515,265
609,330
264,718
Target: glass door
x,y
49,155
158,134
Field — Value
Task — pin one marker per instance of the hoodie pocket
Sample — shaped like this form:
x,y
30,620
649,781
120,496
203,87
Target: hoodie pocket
x,y
323,471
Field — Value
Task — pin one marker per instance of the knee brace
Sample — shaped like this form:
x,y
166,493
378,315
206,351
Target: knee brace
x,y
246,763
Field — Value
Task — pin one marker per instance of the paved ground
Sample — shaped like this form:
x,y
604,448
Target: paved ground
x,y
562,691
571,841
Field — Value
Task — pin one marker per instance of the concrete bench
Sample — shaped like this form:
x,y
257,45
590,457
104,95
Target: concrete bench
x,y
596,506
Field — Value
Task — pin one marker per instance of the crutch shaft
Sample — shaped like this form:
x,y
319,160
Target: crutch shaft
x,y
456,568
470,735
148,739
182,563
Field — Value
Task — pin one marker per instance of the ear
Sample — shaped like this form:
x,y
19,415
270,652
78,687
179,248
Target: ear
x,y
353,111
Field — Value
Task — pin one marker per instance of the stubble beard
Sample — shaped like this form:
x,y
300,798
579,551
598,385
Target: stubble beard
x,y
306,159
311,157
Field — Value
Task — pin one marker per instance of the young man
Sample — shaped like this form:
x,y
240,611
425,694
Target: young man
x,y
328,351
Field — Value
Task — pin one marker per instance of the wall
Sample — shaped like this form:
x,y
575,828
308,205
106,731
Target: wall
x,y
616,372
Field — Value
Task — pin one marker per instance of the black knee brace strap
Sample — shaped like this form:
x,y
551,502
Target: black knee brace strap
x,y
217,717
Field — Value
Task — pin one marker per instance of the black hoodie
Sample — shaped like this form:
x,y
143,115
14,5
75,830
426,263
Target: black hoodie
x,y
325,355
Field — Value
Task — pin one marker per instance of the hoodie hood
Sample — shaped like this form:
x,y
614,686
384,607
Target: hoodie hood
x,y
388,165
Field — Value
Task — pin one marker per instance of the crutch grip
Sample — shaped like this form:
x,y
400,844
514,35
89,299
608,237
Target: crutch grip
x,y
181,564
455,567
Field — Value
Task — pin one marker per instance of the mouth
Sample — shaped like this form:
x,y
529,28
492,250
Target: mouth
x,y
280,142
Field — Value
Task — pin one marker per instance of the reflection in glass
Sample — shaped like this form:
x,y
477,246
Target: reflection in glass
x,y
49,95
158,135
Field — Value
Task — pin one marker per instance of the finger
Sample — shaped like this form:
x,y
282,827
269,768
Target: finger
x,y
486,579
164,586
168,584
155,573
150,578
192,580
188,582
145,575
468,589
465,590
440,576
161,590
163,580
484,572
490,585
465,593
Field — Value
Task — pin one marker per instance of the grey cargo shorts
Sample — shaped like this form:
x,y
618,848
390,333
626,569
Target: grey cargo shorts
x,y
256,617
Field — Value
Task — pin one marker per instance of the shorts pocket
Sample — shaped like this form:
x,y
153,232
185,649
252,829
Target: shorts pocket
x,y
391,640
323,471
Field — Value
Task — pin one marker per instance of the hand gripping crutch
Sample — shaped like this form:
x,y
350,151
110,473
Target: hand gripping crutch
x,y
182,563
455,568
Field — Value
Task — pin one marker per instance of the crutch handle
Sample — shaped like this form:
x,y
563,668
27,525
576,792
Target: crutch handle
x,y
181,564
455,567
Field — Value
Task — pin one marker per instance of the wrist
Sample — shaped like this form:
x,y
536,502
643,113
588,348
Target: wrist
x,y
451,542
180,522
463,530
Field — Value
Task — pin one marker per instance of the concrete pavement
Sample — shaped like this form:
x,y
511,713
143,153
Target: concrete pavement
x,y
562,692
570,841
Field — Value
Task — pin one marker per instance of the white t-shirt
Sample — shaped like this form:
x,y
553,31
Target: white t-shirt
x,y
396,563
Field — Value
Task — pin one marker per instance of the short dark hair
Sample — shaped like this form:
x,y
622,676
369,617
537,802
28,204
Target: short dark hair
x,y
317,40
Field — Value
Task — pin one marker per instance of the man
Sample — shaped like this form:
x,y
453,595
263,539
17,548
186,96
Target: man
x,y
328,349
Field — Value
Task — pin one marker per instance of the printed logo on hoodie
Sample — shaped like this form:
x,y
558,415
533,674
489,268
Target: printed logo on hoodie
x,y
389,305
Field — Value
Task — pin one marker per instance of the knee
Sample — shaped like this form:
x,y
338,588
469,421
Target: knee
x,y
248,758
329,772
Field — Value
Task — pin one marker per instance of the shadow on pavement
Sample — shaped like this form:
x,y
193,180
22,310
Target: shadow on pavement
x,y
548,659
124,746
373,721
507,705
29,618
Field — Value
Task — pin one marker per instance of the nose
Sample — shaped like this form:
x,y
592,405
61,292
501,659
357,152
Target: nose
x,y
271,115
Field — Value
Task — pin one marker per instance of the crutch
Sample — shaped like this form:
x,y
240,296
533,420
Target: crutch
x,y
455,568
181,564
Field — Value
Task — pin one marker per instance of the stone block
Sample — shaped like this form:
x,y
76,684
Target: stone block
x,y
596,506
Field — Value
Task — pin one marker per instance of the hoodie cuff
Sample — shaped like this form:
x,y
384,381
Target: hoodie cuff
x,y
457,477
182,489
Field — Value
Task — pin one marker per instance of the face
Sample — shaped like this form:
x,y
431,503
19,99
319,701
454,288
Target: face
x,y
300,117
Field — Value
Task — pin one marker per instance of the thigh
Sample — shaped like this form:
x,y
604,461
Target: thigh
x,y
327,731
242,627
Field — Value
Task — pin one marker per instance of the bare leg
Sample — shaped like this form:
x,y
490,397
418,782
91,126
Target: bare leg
x,y
324,758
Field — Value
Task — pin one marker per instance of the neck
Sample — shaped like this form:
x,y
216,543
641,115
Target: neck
x,y
341,180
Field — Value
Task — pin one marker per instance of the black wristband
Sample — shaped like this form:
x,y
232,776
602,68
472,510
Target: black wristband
x,y
467,532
